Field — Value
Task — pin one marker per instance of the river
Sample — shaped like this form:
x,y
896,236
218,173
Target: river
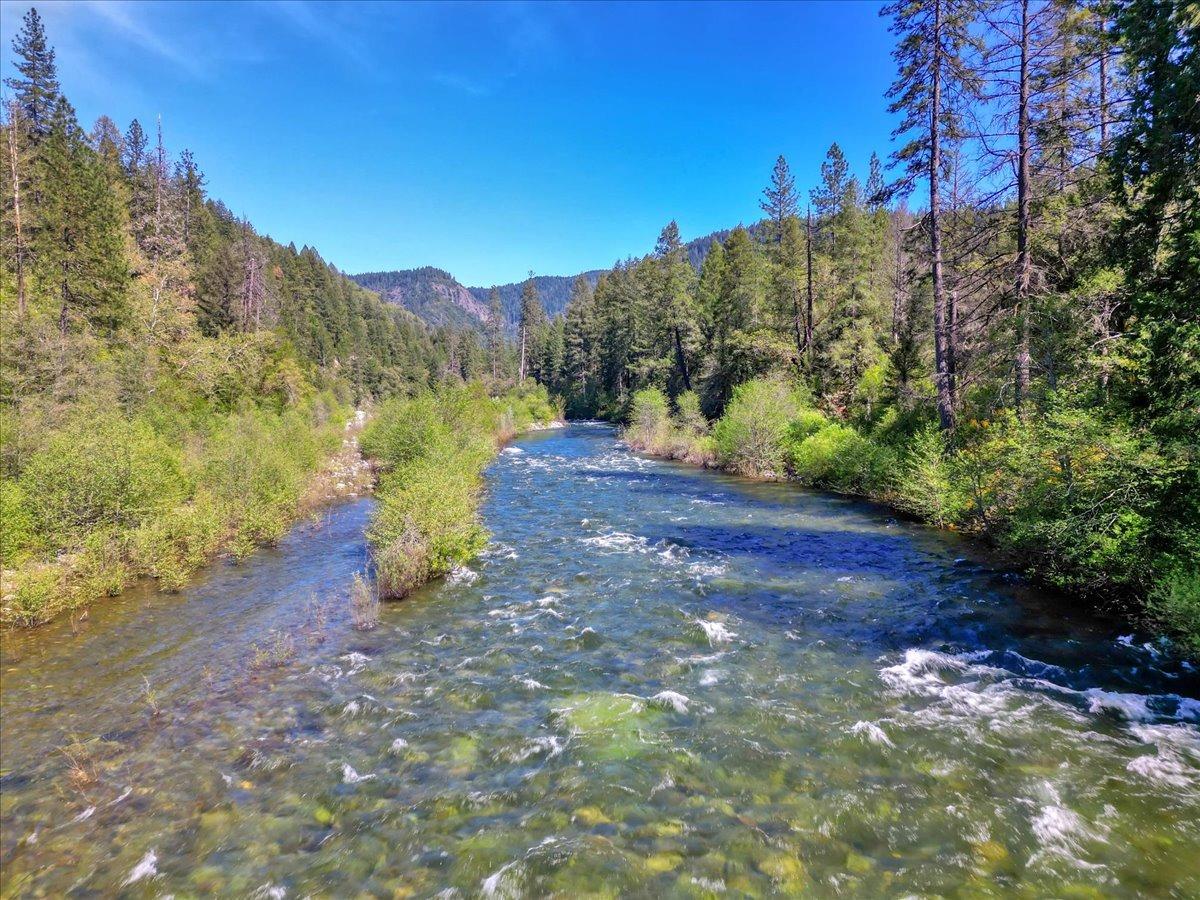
x,y
658,680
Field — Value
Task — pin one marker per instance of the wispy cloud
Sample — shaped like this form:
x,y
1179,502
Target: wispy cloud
x,y
331,30
473,86
119,19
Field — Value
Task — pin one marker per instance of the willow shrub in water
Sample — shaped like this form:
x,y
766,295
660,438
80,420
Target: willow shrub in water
x,y
432,451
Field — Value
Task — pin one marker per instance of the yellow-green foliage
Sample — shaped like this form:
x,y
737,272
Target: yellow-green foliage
x,y
104,499
749,437
99,471
837,457
649,420
432,450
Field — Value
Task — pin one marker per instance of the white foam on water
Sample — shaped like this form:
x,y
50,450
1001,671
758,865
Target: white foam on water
x,y
551,745
707,570
500,884
358,662
674,700
1176,762
270,891
462,575
147,868
1134,707
965,688
1164,768
532,684
85,815
619,541
399,745
350,776
716,632
512,451
548,600
716,885
872,733
710,677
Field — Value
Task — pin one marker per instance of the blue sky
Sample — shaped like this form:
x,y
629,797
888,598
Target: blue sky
x,y
486,139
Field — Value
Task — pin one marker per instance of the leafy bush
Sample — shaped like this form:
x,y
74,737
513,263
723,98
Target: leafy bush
x,y
1084,508
1175,602
17,532
749,438
924,483
433,450
101,472
688,416
649,420
839,458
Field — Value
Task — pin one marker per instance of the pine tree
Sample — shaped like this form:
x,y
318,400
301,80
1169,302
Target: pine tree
x,y
533,319
135,148
495,331
875,193
36,88
80,248
579,348
830,197
779,199
934,83
191,186
674,297
1156,173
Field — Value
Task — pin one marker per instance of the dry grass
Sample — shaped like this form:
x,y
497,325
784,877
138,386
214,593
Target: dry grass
x,y
364,604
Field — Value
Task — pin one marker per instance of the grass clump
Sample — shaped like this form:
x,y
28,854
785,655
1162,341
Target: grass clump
x,y
364,604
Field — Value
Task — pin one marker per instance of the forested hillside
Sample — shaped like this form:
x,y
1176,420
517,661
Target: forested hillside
x,y
1019,355
431,294
170,378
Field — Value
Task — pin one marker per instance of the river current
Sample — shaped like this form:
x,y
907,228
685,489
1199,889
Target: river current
x,y
657,680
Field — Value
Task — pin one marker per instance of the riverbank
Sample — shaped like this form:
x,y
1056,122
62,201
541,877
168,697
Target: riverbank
x,y
167,508
1061,496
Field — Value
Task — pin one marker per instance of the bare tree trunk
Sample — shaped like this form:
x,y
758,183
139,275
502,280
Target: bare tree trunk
x,y
898,290
941,341
521,376
20,235
681,360
1024,257
1103,83
808,315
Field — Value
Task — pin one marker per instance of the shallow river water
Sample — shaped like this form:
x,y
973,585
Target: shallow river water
x,y
657,681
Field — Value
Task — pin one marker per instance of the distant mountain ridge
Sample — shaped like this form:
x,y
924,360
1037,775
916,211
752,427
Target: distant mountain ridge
x,y
439,298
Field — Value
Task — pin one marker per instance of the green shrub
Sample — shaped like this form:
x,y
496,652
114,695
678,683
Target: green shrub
x,y
1084,509
17,533
688,416
749,438
99,473
924,484
1175,602
649,420
433,450
35,595
839,458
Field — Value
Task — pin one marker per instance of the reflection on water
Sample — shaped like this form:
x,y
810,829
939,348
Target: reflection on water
x,y
657,679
